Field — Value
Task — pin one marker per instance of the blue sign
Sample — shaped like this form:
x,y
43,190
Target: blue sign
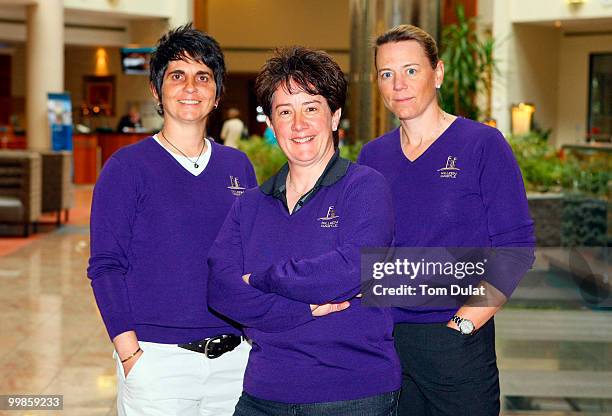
x,y
59,112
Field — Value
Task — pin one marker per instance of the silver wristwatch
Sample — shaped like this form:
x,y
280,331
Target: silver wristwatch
x,y
466,327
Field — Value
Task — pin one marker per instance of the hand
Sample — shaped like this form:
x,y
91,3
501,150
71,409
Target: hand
x,y
246,278
126,344
326,309
129,364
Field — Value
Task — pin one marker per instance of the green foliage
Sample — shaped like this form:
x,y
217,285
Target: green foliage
x,y
583,177
592,175
469,65
543,170
266,158
351,151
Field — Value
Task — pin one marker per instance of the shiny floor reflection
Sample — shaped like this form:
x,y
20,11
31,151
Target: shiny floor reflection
x,y
53,341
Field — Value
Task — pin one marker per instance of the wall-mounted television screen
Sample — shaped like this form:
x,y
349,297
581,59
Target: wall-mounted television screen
x,y
136,60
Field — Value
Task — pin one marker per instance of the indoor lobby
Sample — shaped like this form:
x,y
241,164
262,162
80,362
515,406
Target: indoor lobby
x,y
68,76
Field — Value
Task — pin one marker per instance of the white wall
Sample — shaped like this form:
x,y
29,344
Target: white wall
x,y
573,93
503,55
527,57
545,65
533,77
127,8
550,10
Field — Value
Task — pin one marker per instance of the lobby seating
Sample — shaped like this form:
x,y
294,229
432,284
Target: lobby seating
x,y
20,188
57,189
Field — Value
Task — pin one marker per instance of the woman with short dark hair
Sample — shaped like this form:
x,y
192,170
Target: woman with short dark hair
x,y
298,237
157,208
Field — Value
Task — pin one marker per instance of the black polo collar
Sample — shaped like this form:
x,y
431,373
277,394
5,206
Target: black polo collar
x,y
334,171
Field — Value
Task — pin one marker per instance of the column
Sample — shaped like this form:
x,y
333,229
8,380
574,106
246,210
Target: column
x,y
370,18
44,67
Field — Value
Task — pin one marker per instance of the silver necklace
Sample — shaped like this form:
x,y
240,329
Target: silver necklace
x,y
195,164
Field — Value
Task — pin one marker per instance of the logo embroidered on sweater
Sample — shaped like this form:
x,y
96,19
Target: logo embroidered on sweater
x,y
450,170
235,187
330,220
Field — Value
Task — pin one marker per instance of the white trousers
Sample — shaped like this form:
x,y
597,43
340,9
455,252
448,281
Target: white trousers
x,y
168,380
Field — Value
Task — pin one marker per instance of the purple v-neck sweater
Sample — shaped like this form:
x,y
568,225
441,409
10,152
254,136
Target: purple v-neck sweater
x,y
312,256
466,190
152,225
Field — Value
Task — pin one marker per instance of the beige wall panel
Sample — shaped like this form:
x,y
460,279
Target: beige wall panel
x,y
251,62
272,23
534,71
12,32
143,8
573,93
89,37
147,32
18,71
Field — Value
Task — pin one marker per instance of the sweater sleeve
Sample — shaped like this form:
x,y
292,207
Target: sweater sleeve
x,y
366,220
229,295
250,172
511,229
112,215
361,159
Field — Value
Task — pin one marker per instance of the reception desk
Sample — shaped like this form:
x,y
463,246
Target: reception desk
x,y
91,151
109,143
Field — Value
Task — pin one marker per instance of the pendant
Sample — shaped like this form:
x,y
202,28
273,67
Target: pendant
x,y
195,165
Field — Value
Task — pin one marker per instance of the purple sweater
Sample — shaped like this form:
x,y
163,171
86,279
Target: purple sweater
x,y
311,256
152,225
466,190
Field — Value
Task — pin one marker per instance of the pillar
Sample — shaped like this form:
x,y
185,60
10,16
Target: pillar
x,y
44,67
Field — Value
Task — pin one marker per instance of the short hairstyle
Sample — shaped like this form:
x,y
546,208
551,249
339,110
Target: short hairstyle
x,y
314,72
183,43
409,32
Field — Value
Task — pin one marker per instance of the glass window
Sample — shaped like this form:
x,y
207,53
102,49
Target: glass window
x,y
600,97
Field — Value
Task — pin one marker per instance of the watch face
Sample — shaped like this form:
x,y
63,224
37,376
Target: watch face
x,y
466,327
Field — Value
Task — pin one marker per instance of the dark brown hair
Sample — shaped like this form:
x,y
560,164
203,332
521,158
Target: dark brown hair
x,y
313,72
180,43
409,32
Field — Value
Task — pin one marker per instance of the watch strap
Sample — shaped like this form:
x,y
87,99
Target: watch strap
x,y
457,319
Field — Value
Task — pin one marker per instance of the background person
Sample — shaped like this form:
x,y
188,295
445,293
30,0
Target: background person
x,y
157,208
131,121
455,183
298,237
232,128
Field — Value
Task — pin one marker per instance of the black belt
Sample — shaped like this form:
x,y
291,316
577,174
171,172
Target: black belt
x,y
214,347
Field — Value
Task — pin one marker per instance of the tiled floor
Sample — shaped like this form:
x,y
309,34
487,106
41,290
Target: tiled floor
x,y
53,341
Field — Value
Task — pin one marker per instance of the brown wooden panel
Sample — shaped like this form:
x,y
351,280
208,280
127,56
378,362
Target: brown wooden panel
x,y
449,6
200,15
85,154
109,143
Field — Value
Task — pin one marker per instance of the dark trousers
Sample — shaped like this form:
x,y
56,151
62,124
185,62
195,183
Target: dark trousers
x,y
380,405
446,373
